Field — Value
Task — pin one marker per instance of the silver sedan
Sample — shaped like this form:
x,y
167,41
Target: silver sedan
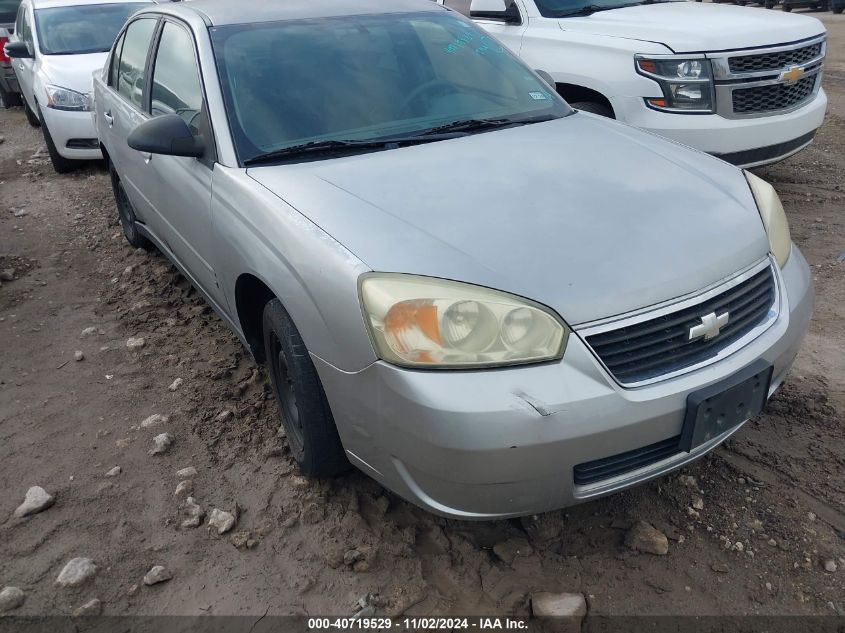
x,y
492,304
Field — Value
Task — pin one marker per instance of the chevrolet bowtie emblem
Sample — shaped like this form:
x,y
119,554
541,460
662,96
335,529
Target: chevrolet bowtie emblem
x,y
709,327
792,75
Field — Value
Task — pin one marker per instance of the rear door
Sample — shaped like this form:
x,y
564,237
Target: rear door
x,y
123,109
181,198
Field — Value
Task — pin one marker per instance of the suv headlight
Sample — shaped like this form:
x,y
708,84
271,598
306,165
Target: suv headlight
x,y
773,216
60,98
424,322
686,82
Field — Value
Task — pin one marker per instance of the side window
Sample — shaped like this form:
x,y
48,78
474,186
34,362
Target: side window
x,y
115,61
461,6
176,86
133,57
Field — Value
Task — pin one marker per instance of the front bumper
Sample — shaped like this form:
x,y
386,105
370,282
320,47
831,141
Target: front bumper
x,y
502,443
747,142
71,131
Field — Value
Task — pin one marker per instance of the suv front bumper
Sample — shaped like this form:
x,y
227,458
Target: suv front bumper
x,y
745,142
504,442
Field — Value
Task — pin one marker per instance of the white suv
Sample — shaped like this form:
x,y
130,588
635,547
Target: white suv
x,y
740,83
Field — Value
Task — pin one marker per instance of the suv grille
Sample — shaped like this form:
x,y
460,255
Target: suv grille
x,y
773,97
775,61
660,346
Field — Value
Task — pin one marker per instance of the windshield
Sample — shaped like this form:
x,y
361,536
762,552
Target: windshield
x,y
77,30
363,78
562,8
8,9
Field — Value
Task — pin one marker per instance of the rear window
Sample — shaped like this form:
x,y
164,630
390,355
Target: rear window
x,y
8,10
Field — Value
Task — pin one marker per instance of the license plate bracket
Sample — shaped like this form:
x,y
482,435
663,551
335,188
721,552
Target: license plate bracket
x,y
718,408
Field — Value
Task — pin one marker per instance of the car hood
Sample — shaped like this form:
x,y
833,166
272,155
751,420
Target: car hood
x,y
72,71
588,216
693,27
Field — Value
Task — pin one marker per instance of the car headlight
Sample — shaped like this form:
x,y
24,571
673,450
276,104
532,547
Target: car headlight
x,y
773,216
687,83
64,99
432,323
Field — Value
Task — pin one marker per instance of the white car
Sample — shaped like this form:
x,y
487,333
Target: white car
x,y
56,47
736,82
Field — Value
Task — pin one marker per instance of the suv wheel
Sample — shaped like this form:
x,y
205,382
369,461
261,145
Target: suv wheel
x,y
306,416
126,213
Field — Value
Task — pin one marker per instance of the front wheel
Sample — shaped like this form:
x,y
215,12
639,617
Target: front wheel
x,y
61,164
594,108
306,416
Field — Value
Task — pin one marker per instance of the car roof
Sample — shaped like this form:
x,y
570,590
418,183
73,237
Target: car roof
x,y
222,12
49,4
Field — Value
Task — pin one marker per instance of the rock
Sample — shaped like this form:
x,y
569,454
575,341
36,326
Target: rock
x,y
114,472
773,542
78,355
175,384
352,556
8,274
89,331
133,590
36,500
361,566
123,442
313,513
157,574
90,608
161,443
830,565
559,605
698,503
509,550
811,516
184,489
154,420
77,572
135,342
224,416
643,537
720,568
194,513
220,522
186,473
693,513
688,480
755,525
11,598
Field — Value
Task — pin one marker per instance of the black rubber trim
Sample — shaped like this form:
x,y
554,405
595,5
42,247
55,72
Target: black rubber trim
x,y
769,152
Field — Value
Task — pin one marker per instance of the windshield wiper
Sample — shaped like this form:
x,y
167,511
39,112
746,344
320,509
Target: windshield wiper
x,y
593,8
475,125
339,146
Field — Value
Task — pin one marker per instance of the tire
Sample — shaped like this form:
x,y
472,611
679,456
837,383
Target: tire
x,y
61,164
31,117
594,108
786,8
838,10
126,214
306,416
10,99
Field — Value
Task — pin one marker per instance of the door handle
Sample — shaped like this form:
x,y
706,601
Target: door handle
x,y
108,117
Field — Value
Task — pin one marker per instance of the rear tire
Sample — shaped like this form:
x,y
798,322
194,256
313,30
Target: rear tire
x,y
786,8
306,416
594,108
61,164
126,214
10,99
31,117
838,10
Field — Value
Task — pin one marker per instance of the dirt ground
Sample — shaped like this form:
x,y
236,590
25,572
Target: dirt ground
x,y
773,497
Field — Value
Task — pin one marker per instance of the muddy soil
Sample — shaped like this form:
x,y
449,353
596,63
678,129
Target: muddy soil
x,y
773,497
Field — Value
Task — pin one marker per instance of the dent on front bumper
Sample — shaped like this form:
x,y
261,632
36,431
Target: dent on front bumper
x,y
501,443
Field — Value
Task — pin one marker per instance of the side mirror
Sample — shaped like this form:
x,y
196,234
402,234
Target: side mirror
x,y
547,78
168,135
17,50
504,10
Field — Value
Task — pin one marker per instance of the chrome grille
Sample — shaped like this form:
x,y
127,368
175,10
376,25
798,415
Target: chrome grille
x,y
776,60
772,97
661,346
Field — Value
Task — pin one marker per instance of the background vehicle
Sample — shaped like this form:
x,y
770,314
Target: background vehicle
x,y
398,216
818,5
9,90
740,84
56,46
837,5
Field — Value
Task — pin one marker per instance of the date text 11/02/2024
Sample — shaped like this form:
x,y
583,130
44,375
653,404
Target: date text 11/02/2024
x,y
419,624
